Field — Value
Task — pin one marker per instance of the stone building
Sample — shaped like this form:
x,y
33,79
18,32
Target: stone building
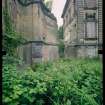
x,y
82,23
38,26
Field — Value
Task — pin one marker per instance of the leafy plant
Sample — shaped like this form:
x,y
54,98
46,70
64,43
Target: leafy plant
x,y
62,82
11,39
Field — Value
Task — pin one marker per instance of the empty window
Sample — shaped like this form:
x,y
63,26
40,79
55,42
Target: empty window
x,y
90,16
90,30
90,25
90,3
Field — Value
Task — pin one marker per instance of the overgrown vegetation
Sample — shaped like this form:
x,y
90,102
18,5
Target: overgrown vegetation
x,y
61,43
63,82
60,32
11,39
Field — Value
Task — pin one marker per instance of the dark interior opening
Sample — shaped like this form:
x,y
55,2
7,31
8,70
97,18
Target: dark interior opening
x,y
100,51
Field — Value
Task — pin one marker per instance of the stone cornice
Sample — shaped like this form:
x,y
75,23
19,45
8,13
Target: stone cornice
x,y
41,43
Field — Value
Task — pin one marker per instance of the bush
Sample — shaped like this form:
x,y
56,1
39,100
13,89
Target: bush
x,y
63,82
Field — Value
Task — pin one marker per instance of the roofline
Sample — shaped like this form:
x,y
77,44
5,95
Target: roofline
x,y
47,11
43,7
65,7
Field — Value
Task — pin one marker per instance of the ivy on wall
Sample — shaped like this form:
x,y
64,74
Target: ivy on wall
x,y
11,39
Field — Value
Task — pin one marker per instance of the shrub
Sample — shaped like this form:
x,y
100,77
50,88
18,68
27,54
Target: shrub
x,y
63,82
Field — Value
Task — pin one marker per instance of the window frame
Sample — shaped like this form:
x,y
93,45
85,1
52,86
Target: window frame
x,y
85,5
87,36
87,19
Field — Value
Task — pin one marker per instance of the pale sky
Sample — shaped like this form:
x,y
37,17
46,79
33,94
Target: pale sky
x,y
57,9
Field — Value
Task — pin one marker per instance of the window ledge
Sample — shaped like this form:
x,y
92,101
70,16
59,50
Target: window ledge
x,y
90,38
91,20
90,8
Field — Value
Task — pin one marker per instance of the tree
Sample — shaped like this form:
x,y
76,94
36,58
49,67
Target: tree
x,y
60,32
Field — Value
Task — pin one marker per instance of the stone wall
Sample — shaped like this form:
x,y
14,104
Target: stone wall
x,y
75,32
36,26
70,52
100,25
49,53
34,22
27,25
87,51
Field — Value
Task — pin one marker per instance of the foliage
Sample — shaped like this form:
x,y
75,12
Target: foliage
x,y
60,32
61,43
63,82
11,39
7,59
61,49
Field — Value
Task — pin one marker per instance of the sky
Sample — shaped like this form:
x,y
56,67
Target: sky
x,y
57,9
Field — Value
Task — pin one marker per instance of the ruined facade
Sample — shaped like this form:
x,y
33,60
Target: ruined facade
x,y
38,26
82,28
